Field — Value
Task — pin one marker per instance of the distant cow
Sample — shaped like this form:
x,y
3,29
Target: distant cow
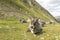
x,y
23,20
35,26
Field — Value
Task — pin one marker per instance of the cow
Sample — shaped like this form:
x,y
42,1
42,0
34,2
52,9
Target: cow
x,y
35,26
23,20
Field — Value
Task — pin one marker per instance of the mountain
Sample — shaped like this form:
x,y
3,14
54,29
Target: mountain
x,y
24,8
58,18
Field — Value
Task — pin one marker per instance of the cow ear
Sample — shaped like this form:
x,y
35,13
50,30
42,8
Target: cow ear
x,y
37,19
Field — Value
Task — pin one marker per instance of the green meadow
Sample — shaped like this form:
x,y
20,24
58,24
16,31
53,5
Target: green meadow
x,y
12,29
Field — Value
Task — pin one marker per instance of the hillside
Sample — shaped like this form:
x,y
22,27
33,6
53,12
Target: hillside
x,y
12,29
24,8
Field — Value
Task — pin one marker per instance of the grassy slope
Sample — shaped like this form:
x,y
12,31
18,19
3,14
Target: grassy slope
x,y
12,29
31,7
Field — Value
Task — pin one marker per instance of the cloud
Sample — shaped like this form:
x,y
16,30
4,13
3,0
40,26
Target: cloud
x,y
53,6
55,2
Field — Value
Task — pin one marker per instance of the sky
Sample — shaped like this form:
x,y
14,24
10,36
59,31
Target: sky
x,y
53,6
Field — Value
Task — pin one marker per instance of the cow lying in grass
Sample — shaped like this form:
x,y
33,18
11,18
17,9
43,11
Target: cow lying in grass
x,y
35,26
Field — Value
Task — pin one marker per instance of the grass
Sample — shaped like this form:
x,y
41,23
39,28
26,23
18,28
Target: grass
x,y
37,10
14,30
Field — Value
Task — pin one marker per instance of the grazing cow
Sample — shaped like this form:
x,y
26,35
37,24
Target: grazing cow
x,y
34,26
23,20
